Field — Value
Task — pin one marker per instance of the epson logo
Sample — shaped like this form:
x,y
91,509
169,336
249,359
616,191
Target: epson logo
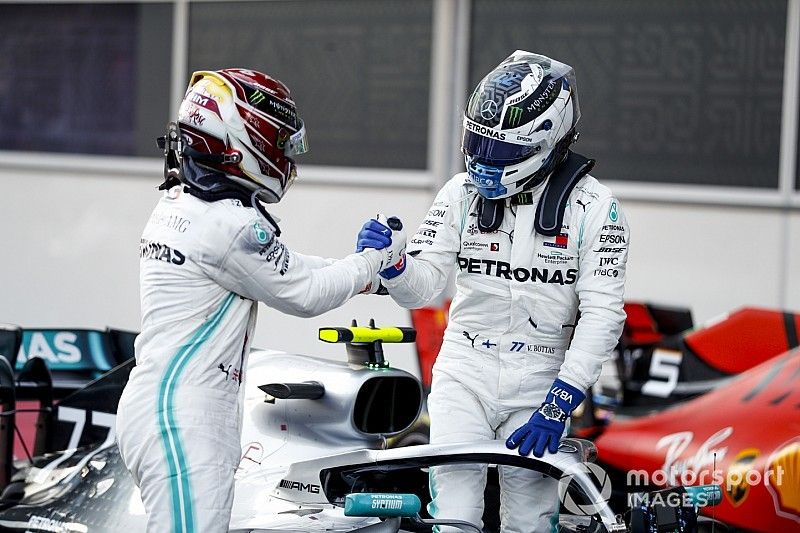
x,y
501,269
301,487
436,213
612,239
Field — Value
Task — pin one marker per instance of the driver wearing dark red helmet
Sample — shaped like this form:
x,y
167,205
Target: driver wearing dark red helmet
x,y
209,253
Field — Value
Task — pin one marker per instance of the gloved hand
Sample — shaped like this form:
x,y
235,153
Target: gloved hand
x,y
388,237
547,424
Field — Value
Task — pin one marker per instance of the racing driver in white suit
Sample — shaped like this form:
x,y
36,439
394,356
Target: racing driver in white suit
x,y
209,253
540,249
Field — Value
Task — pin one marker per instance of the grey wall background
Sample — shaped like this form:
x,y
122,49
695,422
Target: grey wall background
x,y
679,91
672,91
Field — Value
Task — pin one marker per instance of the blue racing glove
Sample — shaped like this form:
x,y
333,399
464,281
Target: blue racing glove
x,y
547,424
387,236
373,234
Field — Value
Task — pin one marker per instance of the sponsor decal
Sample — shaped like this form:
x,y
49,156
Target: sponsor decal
x,y
565,395
257,97
60,348
534,104
608,272
422,241
737,486
606,261
609,250
42,523
427,232
555,258
204,101
583,205
431,223
300,487
160,252
471,338
473,229
587,192
782,479
561,241
501,269
276,252
612,238
474,245
513,116
544,99
169,220
494,247
438,213
231,373
261,234
488,109
613,215
676,466
613,227
484,130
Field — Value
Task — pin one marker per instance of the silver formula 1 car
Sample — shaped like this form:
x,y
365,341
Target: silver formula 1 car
x,y
314,455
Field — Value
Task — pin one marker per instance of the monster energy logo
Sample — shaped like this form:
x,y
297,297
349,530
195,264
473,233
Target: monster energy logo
x,y
257,97
513,116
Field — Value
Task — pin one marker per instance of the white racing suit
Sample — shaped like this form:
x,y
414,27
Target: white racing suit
x,y
518,294
204,266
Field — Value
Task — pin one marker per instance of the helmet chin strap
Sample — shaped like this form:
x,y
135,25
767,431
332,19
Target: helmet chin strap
x,y
261,210
181,166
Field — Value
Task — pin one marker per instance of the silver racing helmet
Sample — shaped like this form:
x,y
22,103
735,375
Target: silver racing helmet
x,y
518,123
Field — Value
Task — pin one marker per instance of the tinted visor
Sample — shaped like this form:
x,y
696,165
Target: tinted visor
x,y
496,152
298,142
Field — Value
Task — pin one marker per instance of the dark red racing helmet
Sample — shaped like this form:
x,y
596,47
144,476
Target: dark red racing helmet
x,y
244,124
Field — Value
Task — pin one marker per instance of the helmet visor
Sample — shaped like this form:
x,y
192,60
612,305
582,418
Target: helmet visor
x,y
298,142
498,151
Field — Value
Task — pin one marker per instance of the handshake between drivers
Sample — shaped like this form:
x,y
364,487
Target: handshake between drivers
x,y
388,237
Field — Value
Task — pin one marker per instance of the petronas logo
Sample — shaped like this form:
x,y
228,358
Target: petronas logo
x,y
257,97
513,116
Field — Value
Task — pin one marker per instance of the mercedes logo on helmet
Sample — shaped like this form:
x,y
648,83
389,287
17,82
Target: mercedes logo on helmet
x,y
489,109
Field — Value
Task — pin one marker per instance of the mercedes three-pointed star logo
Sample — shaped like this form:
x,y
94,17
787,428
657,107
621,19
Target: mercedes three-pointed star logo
x,y
489,109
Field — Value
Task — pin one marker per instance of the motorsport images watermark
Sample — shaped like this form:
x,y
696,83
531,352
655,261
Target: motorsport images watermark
x,y
638,482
